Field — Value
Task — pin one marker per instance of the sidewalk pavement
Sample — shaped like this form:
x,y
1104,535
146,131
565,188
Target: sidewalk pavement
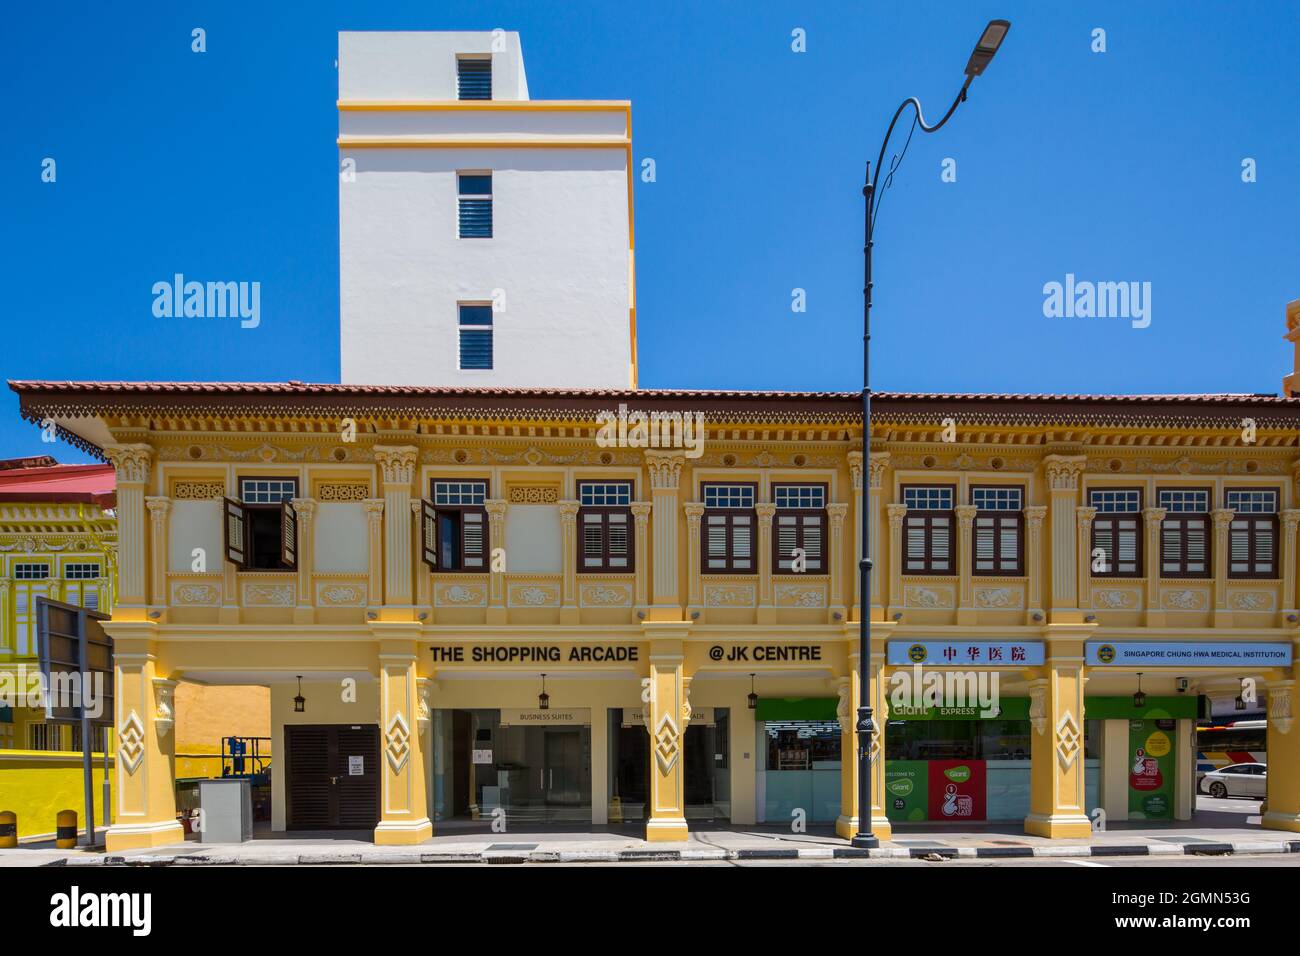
x,y
729,843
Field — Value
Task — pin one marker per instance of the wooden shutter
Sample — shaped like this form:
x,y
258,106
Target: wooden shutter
x,y
1119,539
429,534
997,543
593,541
742,541
618,538
715,542
288,535
787,539
308,789
474,539
236,526
802,529
940,542
1252,546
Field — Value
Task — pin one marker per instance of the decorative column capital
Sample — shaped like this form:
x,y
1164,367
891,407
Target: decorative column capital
x,y
765,511
303,509
896,512
855,469
641,511
1223,517
374,510
1281,705
1154,516
878,465
1290,518
1063,471
1085,515
158,506
496,509
665,469
837,511
397,462
1034,515
966,515
423,713
131,461
568,512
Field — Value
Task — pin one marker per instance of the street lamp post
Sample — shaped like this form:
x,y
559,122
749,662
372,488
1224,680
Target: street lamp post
x,y
984,51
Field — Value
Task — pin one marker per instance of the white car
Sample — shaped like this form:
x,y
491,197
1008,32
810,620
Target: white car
x,y
1237,780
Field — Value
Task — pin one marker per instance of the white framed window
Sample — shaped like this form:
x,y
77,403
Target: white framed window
x,y
81,571
31,571
728,496
474,205
474,346
459,493
609,494
267,491
928,497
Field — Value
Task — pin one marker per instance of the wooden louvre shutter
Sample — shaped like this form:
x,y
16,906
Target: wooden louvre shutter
x,y
997,543
940,542
1118,538
742,542
236,532
618,541
307,782
429,534
1197,534
787,539
1265,541
288,535
473,539
593,540
915,543
1252,546
715,545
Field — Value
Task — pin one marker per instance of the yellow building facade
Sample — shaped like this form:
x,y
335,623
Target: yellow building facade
x,y
491,606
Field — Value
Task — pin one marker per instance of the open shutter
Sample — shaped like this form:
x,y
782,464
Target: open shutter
x,y
429,534
288,535
236,524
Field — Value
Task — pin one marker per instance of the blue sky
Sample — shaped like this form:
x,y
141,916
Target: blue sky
x,y
1117,166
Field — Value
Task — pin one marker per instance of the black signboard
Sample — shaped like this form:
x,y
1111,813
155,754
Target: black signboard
x,y
76,661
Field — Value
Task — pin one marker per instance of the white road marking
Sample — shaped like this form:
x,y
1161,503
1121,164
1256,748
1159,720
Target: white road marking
x,y
1068,859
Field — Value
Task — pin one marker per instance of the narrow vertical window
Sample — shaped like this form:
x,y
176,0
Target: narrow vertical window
x,y
1185,532
474,78
454,533
999,529
800,525
927,529
605,526
729,523
1253,534
474,205
475,336
1117,532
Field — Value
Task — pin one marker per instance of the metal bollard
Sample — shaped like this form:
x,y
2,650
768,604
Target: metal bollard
x,y
65,835
8,829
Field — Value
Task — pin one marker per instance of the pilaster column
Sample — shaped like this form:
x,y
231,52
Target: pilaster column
x,y
668,717
855,480
665,470
965,564
694,574
304,510
1085,517
766,609
835,595
1282,803
1155,615
132,463
641,518
375,541
1062,473
6,609
159,506
496,510
145,814
403,806
1290,579
1220,555
877,470
1034,515
397,465
569,538
1057,802
897,513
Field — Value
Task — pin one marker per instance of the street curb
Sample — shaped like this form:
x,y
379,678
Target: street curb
x,y
704,854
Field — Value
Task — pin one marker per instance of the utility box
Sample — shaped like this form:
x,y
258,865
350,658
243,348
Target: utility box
x,y
227,805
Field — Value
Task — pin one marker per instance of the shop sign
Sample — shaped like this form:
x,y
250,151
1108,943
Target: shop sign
x,y
969,653
766,653
633,717
906,790
957,789
1151,769
519,716
1186,654
535,654
1008,708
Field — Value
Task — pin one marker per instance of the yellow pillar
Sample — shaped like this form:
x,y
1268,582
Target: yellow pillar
x,y
1155,518
569,541
897,513
1063,473
846,824
304,510
665,469
1282,806
1057,802
496,510
766,613
669,711
1034,515
966,613
145,814
158,506
403,806
133,464
397,465
641,515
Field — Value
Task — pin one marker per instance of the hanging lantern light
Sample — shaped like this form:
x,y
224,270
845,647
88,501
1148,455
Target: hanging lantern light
x,y
1139,699
299,702
543,699
753,697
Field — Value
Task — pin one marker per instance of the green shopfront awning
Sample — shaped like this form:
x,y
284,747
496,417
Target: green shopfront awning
x,y
796,708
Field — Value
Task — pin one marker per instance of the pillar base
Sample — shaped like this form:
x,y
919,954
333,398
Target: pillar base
x,y
1281,821
403,833
847,827
142,836
666,830
1059,826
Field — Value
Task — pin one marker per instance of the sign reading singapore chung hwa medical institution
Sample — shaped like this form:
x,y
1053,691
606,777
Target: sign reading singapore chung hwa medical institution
x,y
1186,654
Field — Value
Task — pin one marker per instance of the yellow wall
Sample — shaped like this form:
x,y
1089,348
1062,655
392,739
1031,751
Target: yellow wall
x,y
37,785
206,714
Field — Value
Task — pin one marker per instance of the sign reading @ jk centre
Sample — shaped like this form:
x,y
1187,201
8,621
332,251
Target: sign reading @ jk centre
x,y
1185,654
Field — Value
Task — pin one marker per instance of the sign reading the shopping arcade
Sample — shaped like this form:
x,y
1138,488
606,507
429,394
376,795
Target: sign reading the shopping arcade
x,y
1175,654
966,653
515,654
